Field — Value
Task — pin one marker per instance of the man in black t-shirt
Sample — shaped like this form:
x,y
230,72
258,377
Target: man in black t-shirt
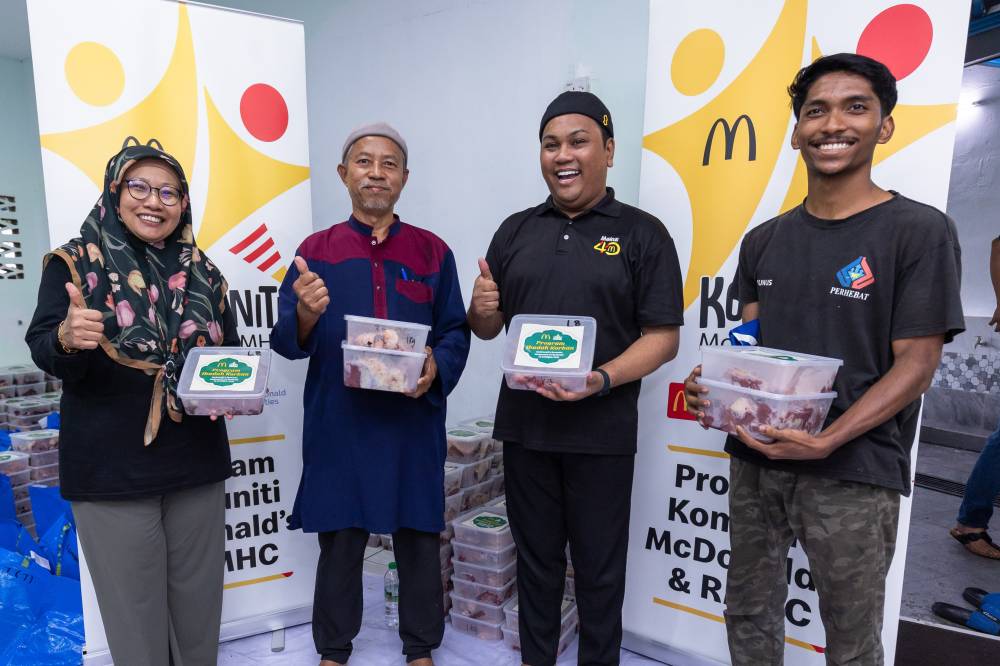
x,y
569,456
861,274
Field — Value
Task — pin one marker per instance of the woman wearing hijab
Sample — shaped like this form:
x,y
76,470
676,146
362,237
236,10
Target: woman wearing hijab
x,y
119,308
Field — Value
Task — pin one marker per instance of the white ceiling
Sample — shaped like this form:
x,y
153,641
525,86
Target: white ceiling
x,y
14,30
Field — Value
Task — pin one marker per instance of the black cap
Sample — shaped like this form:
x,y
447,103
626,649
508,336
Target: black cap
x,y
584,103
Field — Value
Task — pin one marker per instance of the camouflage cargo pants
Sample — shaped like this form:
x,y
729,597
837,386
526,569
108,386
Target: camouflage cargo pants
x,y
848,531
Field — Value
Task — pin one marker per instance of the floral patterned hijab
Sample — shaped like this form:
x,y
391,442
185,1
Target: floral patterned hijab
x,y
158,300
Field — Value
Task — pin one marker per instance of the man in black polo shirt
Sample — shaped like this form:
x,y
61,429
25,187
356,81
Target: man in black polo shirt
x,y
568,456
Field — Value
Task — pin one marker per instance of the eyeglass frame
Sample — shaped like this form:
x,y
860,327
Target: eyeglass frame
x,y
159,195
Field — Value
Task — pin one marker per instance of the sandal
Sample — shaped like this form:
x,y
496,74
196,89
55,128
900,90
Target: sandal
x,y
977,543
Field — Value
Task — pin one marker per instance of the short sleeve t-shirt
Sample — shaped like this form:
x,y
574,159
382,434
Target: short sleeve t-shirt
x,y
614,263
847,289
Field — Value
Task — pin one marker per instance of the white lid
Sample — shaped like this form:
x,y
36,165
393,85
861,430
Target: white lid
x,y
487,521
770,355
764,394
386,322
224,372
7,456
373,350
48,433
550,345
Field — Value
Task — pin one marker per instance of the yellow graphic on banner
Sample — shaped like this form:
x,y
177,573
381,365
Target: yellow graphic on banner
x,y
726,151
169,113
241,179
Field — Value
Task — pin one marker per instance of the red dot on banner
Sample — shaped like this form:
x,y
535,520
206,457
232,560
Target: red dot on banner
x,y
899,37
264,112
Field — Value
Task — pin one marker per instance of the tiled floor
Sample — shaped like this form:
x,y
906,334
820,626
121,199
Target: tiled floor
x,y
378,646
937,567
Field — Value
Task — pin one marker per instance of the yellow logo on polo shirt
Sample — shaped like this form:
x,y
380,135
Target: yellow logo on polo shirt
x,y
609,245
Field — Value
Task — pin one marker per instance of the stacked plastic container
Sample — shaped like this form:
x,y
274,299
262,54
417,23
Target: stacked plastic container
x,y
383,355
42,449
485,563
759,386
567,631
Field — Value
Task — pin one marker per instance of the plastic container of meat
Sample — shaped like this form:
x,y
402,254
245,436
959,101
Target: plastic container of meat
x,y
487,594
21,491
224,380
447,533
35,441
484,557
8,391
6,376
53,384
732,406
475,472
569,614
496,463
452,478
45,473
25,390
44,458
28,407
542,349
513,639
446,579
446,551
485,575
476,495
19,478
497,486
466,446
482,630
476,610
26,422
498,505
22,507
386,334
25,374
382,369
12,462
769,370
453,506
484,529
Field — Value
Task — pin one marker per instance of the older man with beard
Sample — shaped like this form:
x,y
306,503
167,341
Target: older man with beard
x,y
373,461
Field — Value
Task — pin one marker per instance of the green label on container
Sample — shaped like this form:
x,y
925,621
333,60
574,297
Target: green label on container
x,y
225,372
550,346
546,346
488,521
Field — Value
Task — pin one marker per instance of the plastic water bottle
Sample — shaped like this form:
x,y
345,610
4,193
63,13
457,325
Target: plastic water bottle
x,y
392,596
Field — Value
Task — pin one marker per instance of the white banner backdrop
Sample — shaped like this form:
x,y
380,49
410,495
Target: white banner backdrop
x,y
224,92
717,162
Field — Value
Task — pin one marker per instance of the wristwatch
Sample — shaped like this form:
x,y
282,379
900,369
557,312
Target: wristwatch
x,y
606,389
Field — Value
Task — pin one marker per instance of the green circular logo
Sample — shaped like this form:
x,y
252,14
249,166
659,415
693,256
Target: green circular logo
x,y
550,346
489,522
225,372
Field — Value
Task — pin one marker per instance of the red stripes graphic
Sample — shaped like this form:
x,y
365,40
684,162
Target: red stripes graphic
x,y
256,245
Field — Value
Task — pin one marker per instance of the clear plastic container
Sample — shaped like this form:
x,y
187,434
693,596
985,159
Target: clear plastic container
x,y
374,540
26,422
446,579
6,377
484,557
476,610
769,370
542,349
485,529
21,491
25,390
446,551
35,441
446,603
19,478
453,506
484,630
732,406
487,594
497,486
382,369
44,458
513,639
386,334
476,495
8,391
498,505
475,472
28,407
22,507
12,462
496,462
568,620
224,380
485,575
385,540
447,534
25,374
452,478
466,446
53,384
44,473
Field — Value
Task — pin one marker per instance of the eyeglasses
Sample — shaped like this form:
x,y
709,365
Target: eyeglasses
x,y
140,189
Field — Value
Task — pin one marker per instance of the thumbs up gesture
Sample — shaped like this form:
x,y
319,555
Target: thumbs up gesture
x,y
485,294
311,291
82,328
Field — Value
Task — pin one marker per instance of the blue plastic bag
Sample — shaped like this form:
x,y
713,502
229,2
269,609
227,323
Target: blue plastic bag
x,y
746,334
48,507
41,616
6,499
15,538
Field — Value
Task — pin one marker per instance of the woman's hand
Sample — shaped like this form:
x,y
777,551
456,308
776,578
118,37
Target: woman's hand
x,y
82,328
